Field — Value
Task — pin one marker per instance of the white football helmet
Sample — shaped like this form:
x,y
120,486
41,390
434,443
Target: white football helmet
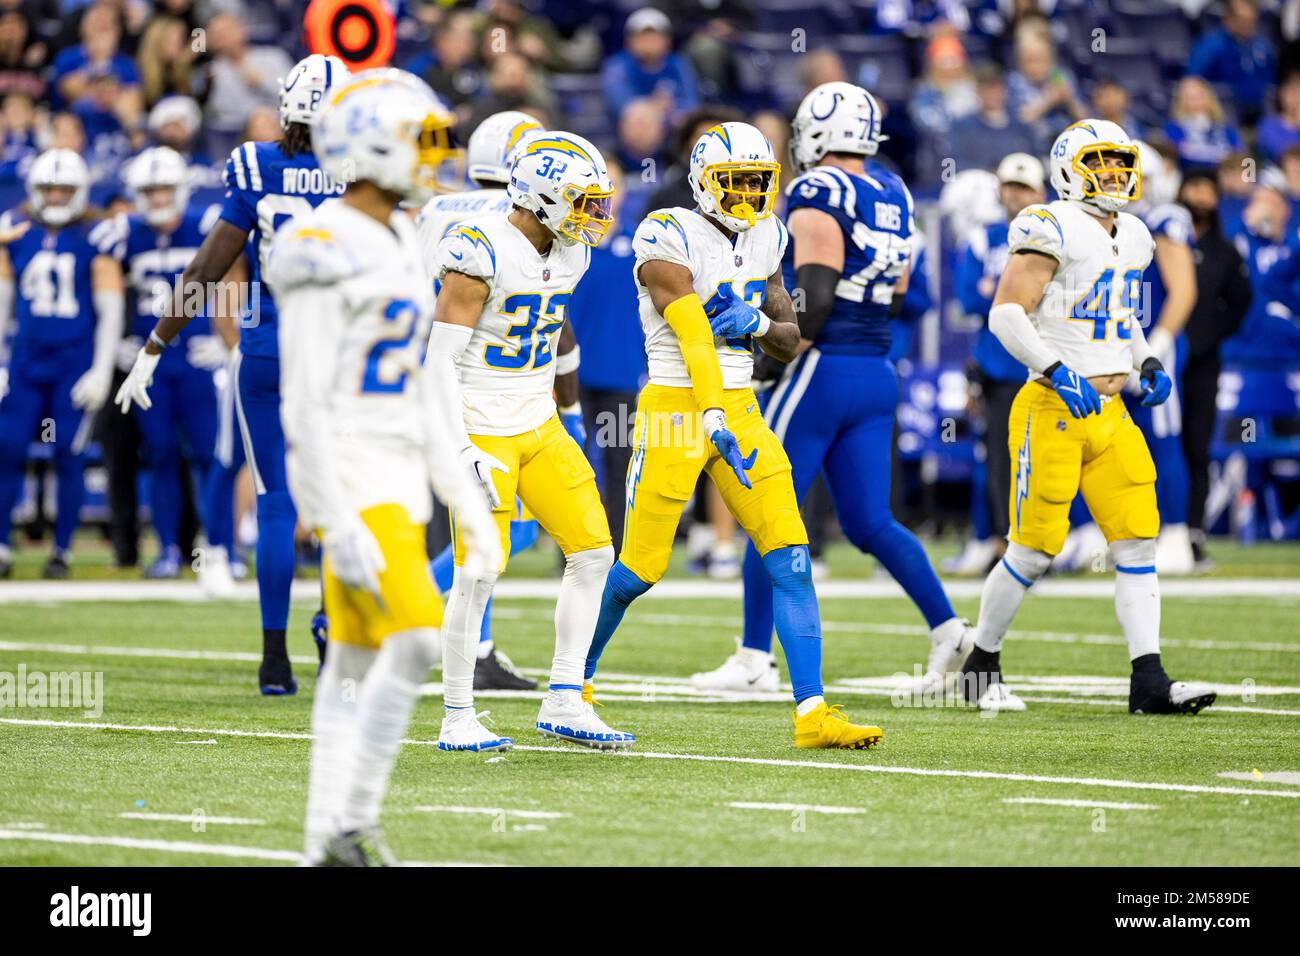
x,y
304,91
387,127
1160,181
1105,144
970,199
491,146
835,118
734,175
153,171
58,167
562,179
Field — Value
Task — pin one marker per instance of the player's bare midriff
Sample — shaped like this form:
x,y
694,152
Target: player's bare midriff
x,y
1104,384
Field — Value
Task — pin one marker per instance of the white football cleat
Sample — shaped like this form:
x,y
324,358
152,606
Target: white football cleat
x,y
747,670
945,661
216,579
1085,547
462,730
1174,551
566,716
999,697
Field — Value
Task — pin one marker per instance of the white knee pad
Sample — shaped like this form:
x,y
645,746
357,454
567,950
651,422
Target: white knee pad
x,y
1133,553
590,565
1027,563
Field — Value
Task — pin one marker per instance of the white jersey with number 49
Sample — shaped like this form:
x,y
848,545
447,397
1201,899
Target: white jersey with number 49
x,y
685,237
366,284
507,371
1087,310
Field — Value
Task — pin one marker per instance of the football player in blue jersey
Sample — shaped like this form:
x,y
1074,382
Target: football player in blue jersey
x,y
267,184
65,298
850,222
154,245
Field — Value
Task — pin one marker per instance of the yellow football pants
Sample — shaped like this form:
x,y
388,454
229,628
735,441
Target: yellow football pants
x,y
670,451
407,596
552,477
1054,456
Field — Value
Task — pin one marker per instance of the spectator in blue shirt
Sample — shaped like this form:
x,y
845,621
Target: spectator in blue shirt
x,y
97,53
647,66
979,141
605,315
1042,94
1270,244
1239,57
450,65
642,137
18,148
1197,127
1280,131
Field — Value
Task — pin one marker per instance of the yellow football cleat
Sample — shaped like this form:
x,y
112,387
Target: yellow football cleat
x,y
828,727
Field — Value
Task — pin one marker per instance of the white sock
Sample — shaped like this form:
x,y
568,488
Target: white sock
x,y
485,649
1004,589
948,632
1137,595
808,703
333,725
388,696
462,625
576,611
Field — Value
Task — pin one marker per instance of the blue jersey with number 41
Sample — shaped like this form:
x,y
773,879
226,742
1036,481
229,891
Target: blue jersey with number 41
x,y
265,189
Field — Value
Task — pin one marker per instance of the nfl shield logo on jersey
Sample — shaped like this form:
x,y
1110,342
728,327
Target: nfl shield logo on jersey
x,y
546,275
739,261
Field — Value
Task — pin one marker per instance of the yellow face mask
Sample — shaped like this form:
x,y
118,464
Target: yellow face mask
x,y
591,214
1111,158
725,182
439,166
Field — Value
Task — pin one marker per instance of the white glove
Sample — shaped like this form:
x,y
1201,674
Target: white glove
x,y
91,390
355,556
126,350
207,352
4,383
136,387
481,465
475,524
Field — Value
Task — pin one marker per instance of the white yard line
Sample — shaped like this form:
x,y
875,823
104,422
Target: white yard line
x,y
1090,804
1285,589
1271,776
193,818
180,846
806,807
716,758
495,811
172,653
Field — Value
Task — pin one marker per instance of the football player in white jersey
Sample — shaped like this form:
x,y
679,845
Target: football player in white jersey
x,y
489,155
710,288
506,284
369,433
1065,307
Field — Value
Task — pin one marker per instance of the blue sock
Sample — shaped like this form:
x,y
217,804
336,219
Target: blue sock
x,y
276,518
443,569
757,601
622,587
523,535
798,619
71,471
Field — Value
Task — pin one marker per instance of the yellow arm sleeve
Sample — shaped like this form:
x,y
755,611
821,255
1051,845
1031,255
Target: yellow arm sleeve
x,y
686,318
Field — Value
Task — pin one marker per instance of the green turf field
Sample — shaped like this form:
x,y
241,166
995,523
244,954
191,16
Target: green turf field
x,y
187,736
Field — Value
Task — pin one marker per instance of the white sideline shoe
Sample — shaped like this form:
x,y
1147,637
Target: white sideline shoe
x,y
1174,551
747,670
462,730
216,579
974,560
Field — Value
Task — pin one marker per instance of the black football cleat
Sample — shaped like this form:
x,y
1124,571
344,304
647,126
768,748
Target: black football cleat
x,y
320,633
496,672
364,847
1149,694
275,677
57,568
981,682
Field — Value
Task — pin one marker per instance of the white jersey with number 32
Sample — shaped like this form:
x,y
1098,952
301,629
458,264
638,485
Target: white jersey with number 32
x,y
1087,311
507,371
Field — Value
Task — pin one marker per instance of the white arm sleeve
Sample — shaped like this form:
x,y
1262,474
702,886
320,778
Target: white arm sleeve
x,y
6,308
446,344
110,320
1139,346
312,323
1011,324
445,437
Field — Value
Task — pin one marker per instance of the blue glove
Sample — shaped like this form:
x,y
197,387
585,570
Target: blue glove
x,y
572,422
725,442
737,319
1076,391
1156,383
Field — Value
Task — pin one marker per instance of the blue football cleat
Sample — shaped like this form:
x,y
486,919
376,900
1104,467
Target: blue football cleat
x,y
167,566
